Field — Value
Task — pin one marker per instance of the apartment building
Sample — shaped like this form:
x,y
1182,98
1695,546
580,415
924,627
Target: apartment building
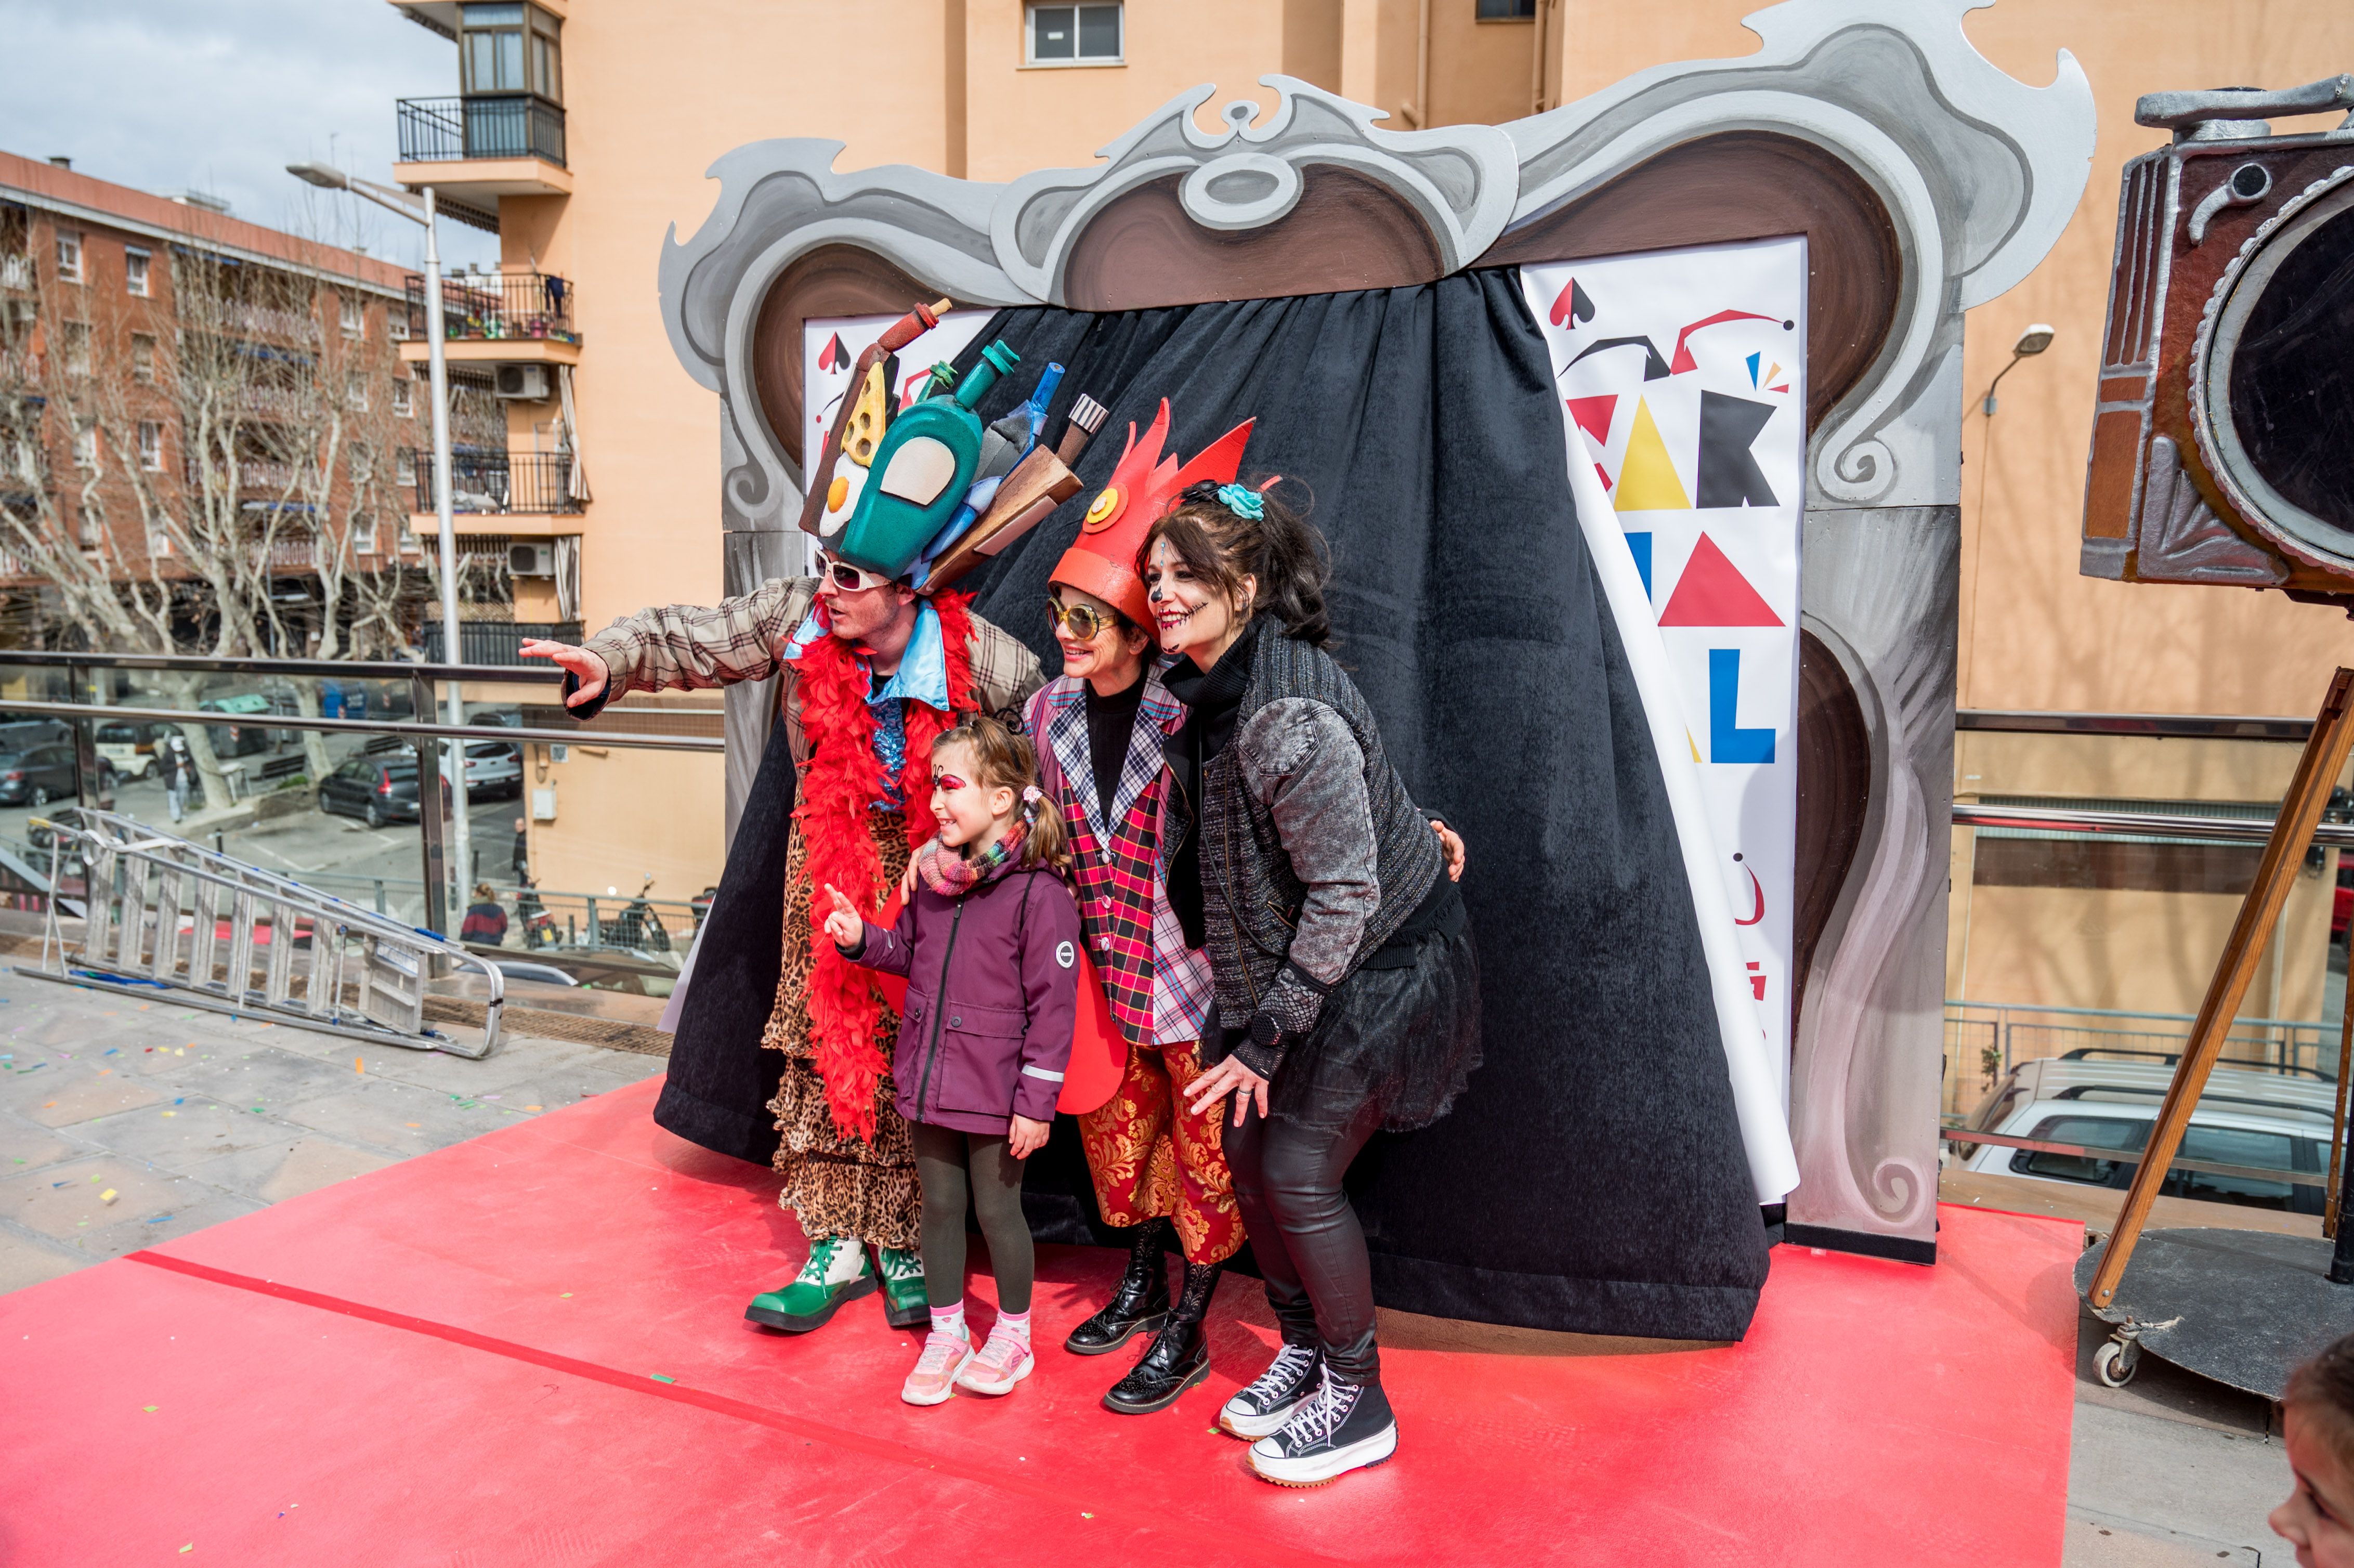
x,y
582,130
179,386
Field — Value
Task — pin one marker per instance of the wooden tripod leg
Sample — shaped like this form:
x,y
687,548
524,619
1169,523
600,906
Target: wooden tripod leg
x,y
2300,813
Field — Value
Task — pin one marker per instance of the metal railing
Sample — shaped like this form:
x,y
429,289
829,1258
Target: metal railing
x,y
439,130
498,641
85,716
216,933
495,482
1985,1040
2161,726
499,305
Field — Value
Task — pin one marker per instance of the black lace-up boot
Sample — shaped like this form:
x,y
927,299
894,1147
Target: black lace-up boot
x,y
1341,1426
1180,1356
1141,1304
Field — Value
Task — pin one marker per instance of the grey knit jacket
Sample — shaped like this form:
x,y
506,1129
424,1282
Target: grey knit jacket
x,y
1312,852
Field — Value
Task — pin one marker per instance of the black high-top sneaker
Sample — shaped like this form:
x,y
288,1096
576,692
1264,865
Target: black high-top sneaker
x,y
1180,1356
1140,1304
1343,1427
1267,1404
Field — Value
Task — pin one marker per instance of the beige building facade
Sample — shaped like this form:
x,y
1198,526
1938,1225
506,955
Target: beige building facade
x,y
641,100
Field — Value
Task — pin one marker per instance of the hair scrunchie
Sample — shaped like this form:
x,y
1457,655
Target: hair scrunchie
x,y
1242,501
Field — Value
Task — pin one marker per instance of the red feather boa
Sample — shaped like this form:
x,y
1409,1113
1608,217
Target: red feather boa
x,y
838,791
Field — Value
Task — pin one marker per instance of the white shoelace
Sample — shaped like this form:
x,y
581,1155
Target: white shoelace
x,y
1321,1414
937,1351
1290,1362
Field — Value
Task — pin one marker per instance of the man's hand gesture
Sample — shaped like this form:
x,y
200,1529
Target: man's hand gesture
x,y
589,666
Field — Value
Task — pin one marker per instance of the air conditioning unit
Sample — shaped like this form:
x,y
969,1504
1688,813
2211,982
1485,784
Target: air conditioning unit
x,y
523,383
530,560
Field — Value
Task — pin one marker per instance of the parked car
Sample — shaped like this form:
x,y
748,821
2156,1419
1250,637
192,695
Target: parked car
x,y
2341,904
244,739
133,748
376,790
2248,1116
494,769
38,776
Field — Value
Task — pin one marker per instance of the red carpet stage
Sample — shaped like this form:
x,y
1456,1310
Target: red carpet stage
x,y
526,1349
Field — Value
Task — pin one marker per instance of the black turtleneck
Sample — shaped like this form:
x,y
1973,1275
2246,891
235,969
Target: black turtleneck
x,y
1112,722
1213,700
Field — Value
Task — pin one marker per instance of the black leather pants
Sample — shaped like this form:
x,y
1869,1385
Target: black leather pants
x,y
1306,1237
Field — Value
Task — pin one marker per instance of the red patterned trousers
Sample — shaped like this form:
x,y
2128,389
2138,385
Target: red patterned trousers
x,y
1151,1157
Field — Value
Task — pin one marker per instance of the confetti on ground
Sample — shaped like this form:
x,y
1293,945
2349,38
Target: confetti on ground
x,y
109,1195
531,1107
660,1378
356,1068
157,1220
563,1295
411,1124
171,1113
151,1409
110,1051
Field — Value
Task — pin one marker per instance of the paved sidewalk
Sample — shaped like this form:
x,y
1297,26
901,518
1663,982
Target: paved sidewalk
x,y
125,1123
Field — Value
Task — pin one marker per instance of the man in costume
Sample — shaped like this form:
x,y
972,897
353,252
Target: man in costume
x,y
872,670
1099,731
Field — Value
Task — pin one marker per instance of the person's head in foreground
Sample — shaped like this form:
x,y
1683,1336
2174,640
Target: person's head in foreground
x,y
2318,1517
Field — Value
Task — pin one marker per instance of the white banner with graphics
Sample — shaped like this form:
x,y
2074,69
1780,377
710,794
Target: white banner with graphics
x,y
831,345
1683,372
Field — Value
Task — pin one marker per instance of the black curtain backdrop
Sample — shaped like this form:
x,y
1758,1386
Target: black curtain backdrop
x,y
1592,1177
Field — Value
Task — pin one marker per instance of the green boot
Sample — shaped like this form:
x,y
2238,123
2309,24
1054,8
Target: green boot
x,y
836,1272
904,1306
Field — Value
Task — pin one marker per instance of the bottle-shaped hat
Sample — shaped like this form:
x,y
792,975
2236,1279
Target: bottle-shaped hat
x,y
920,474
1102,561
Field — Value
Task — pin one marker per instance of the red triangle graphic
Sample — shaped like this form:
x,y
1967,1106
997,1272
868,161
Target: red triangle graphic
x,y
1606,486
831,356
1593,416
1713,592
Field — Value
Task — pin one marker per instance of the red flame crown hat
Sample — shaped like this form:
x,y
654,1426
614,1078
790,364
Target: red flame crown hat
x,y
1145,484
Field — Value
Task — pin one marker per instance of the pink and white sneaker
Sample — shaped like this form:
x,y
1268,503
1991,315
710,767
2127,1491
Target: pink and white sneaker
x,y
1003,1363
935,1377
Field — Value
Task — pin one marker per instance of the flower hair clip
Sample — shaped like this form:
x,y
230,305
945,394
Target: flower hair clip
x,y
1242,501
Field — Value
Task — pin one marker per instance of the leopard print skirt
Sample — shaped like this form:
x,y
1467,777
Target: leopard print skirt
x,y
838,1186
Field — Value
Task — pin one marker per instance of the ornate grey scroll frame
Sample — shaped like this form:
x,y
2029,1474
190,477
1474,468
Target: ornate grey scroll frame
x,y
1979,174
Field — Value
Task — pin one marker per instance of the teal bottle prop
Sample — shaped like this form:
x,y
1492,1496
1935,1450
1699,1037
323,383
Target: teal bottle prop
x,y
921,470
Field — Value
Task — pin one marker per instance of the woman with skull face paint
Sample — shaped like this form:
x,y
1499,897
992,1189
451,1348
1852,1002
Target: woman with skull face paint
x,y
1347,986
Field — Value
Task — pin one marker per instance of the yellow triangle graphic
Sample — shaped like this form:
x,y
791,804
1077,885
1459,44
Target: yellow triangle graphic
x,y
1694,745
1647,479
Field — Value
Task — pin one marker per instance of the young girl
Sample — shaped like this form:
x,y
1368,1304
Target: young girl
x,y
2318,1427
988,945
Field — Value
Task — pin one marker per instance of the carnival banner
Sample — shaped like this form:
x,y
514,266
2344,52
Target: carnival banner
x,y
1683,375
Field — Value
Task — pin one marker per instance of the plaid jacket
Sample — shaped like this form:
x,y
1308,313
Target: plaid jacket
x,y
1158,987
684,646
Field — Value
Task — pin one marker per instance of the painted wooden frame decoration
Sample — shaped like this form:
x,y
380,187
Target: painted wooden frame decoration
x,y
1926,181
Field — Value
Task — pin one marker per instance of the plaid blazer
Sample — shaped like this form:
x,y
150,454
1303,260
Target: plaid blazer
x,y
686,646
1158,987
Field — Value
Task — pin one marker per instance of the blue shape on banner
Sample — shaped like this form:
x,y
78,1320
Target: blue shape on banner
x,y
1752,363
1727,742
1639,547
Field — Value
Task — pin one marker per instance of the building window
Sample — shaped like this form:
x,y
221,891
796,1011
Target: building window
x,y
355,389
150,445
1076,34
76,348
363,461
354,315
135,271
142,357
363,533
68,255
510,47
404,466
1505,10
85,448
404,397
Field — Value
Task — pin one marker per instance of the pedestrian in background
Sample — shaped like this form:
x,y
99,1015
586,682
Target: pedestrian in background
x,y
485,922
179,774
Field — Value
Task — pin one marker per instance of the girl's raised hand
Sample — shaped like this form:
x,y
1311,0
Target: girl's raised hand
x,y
843,924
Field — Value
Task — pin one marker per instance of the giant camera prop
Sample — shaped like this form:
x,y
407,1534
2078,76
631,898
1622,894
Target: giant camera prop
x,y
2223,443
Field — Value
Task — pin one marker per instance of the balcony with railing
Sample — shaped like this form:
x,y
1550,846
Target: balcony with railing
x,y
448,130
498,482
498,307
497,642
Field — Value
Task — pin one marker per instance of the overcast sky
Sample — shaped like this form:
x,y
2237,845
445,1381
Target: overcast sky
x,y
221,95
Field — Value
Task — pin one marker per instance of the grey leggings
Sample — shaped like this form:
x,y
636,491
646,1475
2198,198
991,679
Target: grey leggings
x,y
943,1158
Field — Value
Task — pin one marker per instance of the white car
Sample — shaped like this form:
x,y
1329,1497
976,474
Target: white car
x,y
494,769
2248,1116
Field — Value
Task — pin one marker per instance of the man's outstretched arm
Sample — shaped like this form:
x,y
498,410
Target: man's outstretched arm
x,y
678,646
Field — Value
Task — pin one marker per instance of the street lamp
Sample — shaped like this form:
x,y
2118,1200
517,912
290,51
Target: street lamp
x,y
392,198
2033,341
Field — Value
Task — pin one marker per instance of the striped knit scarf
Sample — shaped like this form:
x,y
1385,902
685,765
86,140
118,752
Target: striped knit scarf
x,y
838,791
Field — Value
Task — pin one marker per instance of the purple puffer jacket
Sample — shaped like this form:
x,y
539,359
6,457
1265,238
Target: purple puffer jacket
x,y
992,990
